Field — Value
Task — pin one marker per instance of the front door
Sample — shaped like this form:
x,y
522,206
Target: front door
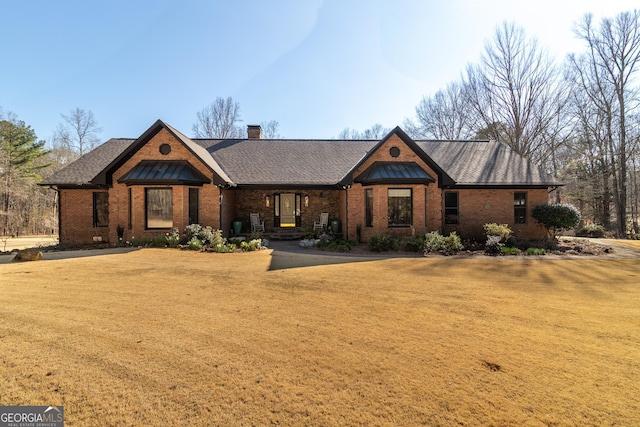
x,y
287,210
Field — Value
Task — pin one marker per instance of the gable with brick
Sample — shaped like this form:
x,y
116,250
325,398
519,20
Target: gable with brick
x,y
162,180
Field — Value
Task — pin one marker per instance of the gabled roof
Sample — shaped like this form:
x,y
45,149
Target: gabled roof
x,y
319,163
82,171
219,176
444,178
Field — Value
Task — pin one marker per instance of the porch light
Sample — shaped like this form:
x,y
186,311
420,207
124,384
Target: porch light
x,y
267,200
306,200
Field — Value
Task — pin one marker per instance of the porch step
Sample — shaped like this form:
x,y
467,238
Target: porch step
x,y
284,234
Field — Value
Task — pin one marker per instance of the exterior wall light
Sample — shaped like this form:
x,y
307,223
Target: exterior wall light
x,y
306,200
267,200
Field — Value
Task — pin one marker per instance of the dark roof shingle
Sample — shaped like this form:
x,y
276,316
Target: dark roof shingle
x,y
83,170
320,162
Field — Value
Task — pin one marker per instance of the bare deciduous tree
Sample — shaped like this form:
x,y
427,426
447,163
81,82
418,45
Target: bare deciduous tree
x,y
376,131
605,74
445,115
516,91
219,120
270,129
79,133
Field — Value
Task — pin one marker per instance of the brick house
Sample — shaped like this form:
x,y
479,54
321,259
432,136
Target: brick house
x,y
163,179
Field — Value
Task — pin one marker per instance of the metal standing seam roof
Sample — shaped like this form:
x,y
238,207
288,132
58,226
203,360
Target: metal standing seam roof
x,y
407,172
164,171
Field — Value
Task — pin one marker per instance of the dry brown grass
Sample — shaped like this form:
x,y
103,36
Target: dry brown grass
x,y
164,337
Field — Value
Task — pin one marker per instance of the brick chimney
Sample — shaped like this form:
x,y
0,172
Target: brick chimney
x,y
254,132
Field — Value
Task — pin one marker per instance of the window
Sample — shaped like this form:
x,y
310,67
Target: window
x,y
159,207
368,207
399,200
194,202
520,208
451,208
100,209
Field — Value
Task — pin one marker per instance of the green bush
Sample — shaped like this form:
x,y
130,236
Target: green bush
x,y
173,238
436,242
195,244
341,245
501,230
159,241
536,251
414,244
380,242
493,246
139,241
509,251
556,217
251,245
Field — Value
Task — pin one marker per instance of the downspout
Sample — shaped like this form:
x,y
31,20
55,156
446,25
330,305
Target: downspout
x,y
59,210
220,208
346,208
424,210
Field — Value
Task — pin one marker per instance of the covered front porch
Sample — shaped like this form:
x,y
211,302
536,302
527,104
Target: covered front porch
x,y
286,212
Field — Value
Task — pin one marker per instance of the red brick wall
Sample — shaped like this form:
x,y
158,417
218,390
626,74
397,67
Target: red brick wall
x,y
478,207
209,205
247,201
76,212
76,206
427,212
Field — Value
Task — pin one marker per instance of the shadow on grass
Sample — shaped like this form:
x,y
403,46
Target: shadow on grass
x,y
290,255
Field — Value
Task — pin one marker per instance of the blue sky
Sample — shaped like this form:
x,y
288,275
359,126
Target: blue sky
x,y
315,66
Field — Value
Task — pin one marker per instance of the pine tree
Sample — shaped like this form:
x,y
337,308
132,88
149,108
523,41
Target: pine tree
x,y
19,150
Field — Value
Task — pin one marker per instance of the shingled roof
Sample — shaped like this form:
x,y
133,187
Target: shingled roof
x,y
287,161
485,163
295,162
82,171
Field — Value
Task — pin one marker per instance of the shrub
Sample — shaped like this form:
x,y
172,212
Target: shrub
x,y
493,245
191,231
173,238
436,242
139,241
556,217
510,251
158,241
536,251
195,244
252,245
414,244
380,242
591,230
120,231
309,233
338,245
501,230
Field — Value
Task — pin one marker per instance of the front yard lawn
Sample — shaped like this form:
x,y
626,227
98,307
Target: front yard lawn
x,y
170,337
